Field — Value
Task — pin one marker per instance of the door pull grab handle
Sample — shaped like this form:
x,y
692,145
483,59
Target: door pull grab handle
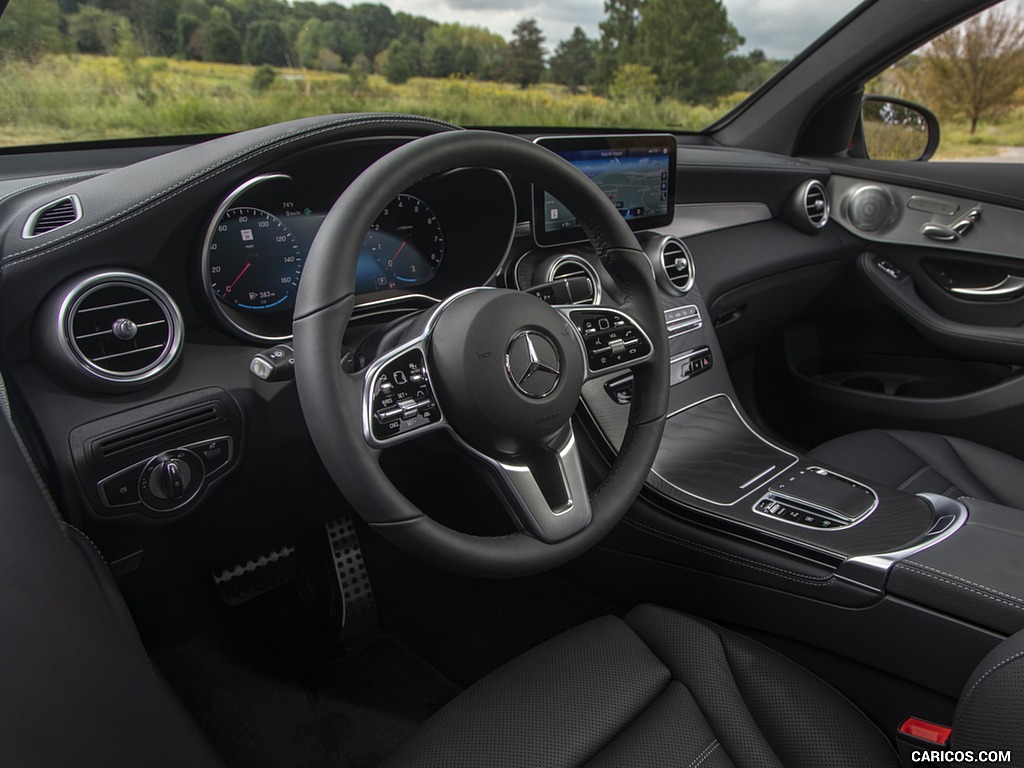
x,y
1006,288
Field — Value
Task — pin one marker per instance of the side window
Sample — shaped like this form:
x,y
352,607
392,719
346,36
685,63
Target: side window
x,y
969,80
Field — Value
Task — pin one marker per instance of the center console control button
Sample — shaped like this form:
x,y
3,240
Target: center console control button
x,y
690,364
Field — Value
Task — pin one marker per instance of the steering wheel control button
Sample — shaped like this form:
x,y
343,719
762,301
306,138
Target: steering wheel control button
x,y
611,339
171,480
682,320
533,364
401,400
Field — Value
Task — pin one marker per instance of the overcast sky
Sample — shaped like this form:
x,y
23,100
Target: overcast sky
x,y
780,28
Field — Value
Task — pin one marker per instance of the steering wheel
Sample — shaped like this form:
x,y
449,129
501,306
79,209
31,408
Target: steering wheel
x,y
501,370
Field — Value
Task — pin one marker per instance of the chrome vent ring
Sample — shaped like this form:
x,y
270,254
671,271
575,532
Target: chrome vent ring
x,y
569,266
120,327
676,263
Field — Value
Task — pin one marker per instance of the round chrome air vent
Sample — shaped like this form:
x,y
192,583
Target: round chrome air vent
x,y
113,328
808,208
569,266
675,261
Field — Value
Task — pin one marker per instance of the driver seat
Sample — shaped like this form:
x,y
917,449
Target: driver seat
x,y
656,688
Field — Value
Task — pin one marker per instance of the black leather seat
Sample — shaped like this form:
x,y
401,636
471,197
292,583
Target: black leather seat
x,y
919,462
656,688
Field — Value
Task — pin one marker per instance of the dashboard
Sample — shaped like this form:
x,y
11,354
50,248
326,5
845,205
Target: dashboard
x,y
129,328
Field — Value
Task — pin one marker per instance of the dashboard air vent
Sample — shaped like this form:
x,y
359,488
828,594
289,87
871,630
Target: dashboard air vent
x,y
121,327
677,263
59,213
808,208
567,267
816,204
162,428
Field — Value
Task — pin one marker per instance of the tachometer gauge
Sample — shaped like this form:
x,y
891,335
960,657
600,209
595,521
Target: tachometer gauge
x,y
254,261
406,243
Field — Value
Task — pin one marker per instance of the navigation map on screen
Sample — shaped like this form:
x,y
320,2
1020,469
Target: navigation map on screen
x,y
635,176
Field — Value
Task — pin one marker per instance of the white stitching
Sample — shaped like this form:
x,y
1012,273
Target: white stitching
x,y
81,533
980,680
704,755
965,581
221,165
30,187
958,585
813,581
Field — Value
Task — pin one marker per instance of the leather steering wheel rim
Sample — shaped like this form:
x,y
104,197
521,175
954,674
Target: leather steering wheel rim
x,y
331,399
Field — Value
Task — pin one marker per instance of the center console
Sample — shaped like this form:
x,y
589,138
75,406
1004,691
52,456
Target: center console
x,y
730,505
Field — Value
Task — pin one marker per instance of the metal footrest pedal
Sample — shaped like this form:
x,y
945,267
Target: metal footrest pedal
x,y
256,576
356,615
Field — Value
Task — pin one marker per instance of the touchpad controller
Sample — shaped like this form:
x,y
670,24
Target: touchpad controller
x,y
817,498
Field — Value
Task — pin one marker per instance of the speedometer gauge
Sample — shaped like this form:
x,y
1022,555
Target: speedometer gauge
x,y
254,261
406,244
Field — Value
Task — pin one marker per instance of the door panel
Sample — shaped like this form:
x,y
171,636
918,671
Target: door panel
x,y
926,330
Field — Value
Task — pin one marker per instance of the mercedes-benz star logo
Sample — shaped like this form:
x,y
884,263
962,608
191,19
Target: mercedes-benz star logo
x,y
533,364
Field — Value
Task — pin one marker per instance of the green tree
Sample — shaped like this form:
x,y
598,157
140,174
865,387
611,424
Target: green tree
x,y
974,69
263,78
375,26
617,45
265,43
688,44
188,36
442,62
218,39
97,31
401,59
476,51
30,29
634,82
524,57
573,61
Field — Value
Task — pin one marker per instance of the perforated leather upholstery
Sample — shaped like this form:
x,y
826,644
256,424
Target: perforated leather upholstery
x,y
654,689
919,462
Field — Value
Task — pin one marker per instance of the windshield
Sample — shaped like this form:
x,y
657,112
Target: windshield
x,y
112,69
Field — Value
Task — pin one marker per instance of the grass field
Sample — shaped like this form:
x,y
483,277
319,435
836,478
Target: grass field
x,y
84,98
94,97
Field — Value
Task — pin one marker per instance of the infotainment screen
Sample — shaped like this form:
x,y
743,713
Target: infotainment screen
x,y
637,173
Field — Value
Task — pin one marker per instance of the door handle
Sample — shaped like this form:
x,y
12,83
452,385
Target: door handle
x,y
1007,288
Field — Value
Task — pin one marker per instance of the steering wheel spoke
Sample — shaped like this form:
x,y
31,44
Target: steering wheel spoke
x,y
399,402
545,489
611,339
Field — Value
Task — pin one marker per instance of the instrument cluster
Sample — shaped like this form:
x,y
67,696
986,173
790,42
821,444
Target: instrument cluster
x,y
443,234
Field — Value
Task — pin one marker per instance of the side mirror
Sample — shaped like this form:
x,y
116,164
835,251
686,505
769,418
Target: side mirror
x,y
894,129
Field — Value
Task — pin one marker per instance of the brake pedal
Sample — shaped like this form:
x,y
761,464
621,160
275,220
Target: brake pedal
x,y
255,577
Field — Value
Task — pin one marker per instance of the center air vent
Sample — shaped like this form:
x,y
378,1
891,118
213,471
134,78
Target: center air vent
x,y
59,213
677,263
566,267
808,208
112,328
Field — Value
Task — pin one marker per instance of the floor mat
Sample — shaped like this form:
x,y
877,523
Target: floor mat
x,y
268,701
